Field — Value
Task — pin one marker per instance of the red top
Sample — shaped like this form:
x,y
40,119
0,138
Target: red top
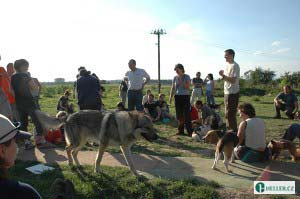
x,y
194,113
5,85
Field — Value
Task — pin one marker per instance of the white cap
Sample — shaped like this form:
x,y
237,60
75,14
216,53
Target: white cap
x,y
9,131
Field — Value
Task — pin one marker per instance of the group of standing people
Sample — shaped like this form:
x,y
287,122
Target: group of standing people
x,y
180,90
197,92
136,78
22,92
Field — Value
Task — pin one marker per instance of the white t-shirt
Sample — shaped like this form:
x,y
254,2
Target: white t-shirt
x,y
232,70
209,85
255,133
136,78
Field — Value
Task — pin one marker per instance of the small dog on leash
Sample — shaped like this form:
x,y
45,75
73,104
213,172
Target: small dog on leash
x,y
226,141
277,146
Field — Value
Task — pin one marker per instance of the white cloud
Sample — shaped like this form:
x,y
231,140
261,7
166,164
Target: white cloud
x,y
258,52
275,43
282,50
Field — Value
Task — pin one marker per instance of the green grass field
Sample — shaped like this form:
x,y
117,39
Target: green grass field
x,y
119,183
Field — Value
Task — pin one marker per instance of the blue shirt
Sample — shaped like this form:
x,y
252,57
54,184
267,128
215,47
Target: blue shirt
x,y
179,89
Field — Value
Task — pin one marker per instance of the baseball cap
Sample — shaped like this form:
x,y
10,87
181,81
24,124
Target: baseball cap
x,y
8,130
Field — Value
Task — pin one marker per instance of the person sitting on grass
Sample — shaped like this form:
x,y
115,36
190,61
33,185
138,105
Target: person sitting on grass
x,y
11,189
151,107
252,136
164,107
63,103
208,116
145,97
286,101
195,113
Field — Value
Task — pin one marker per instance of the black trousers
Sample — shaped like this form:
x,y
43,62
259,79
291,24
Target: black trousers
x,y
231,103
183,113
24,112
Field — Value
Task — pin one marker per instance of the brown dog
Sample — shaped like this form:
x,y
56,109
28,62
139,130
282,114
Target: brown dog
x,y
225,143
277,146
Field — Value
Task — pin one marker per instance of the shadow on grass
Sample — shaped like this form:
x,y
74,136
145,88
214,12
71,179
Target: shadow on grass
x,y
42,182
283,171
122,184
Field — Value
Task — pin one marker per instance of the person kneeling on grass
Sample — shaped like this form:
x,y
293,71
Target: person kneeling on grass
x,y
208,116
252,136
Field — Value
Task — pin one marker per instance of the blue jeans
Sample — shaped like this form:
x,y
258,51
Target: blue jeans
x,y
210,98
135,100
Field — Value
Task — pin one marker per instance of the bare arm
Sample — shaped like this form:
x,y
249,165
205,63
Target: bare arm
x,y
172,93
227,78
241,132
147,78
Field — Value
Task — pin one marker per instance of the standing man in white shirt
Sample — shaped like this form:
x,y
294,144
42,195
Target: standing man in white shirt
x,y
231,89
137,78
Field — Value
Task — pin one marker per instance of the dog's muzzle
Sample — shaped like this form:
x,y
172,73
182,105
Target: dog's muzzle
x,y
150,135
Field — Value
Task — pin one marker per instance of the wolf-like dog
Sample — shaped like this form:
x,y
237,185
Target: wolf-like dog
x,y
105,128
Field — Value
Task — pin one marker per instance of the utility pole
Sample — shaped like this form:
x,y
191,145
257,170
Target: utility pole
x,y
158,32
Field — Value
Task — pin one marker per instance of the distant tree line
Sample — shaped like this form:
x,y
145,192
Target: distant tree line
x,y
260,76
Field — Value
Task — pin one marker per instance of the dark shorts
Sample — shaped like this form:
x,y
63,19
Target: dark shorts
x,y
249,155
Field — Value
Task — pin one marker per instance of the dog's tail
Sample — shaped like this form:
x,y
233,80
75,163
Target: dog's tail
x,y
49,122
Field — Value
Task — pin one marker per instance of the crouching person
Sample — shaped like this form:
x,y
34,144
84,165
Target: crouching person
x,y
286,101
252,136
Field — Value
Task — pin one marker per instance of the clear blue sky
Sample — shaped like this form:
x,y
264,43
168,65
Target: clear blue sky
x,y
59,36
